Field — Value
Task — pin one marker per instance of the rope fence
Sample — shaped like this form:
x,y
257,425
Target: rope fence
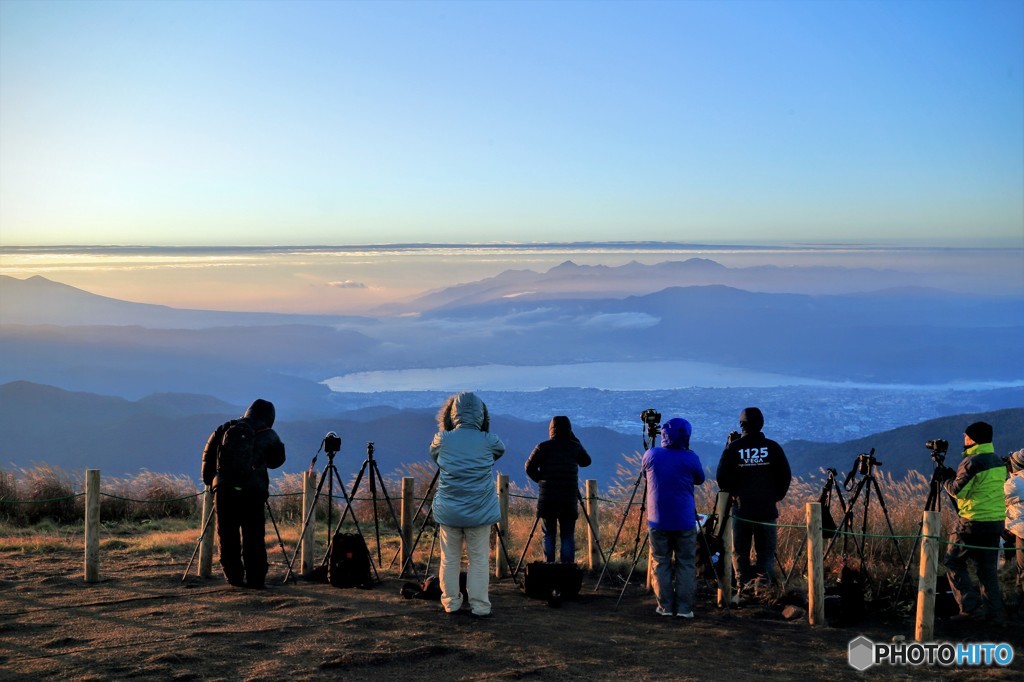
x,y
930,536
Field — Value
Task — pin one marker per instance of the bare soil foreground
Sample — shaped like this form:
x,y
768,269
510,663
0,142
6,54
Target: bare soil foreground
x,y
142,622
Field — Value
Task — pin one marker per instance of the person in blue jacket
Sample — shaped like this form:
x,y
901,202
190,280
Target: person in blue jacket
x,y
465,505
672,471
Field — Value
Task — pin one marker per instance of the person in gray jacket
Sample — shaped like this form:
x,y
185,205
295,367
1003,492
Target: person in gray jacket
x,y
465,505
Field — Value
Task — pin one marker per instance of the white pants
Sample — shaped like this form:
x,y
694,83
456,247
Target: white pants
x,y
478,549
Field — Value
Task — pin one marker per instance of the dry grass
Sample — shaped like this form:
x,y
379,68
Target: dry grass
x,y
38,503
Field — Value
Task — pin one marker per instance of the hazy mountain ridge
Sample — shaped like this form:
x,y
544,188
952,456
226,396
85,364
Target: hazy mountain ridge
x,y
913,336
74,431
570,280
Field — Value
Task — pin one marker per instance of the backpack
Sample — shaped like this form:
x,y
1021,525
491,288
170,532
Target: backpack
x,y
236,455
348,564
552,582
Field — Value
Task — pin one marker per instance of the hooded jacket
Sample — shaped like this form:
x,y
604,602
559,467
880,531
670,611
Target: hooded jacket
x,y
1013,495
672,471
978,485
754,470
465,452
268,448
554,465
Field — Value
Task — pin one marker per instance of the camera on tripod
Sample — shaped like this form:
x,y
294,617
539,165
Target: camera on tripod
x,y
331,443
652,418
938,448
863,465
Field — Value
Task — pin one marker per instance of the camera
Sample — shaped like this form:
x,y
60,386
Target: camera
x,y
652,418
332,443
938,448
733,435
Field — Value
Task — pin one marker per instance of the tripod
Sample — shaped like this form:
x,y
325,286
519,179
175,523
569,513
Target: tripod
x,y
369,464
865,464
829,530
637,548
206,527
933,503
590,524
408,564
651,420
331,444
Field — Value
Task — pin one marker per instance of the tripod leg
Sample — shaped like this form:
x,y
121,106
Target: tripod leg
x,y
526,547
625,515
419,510
409,563
430,554
590,525
632,567
202,534
375,472
504,552
309,516
273,522
888,521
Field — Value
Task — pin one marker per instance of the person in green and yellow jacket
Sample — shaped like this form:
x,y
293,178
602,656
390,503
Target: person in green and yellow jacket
x,y
977,489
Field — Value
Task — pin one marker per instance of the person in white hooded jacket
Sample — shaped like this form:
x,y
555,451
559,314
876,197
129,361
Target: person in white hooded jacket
x,y
1013,490
465,505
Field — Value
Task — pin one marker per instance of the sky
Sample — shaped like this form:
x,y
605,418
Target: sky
x,y
289,123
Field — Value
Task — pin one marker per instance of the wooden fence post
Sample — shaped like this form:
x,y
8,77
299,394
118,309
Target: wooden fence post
x,y
924,625
815,566
594,529
500,569
205,569
725,583
308,539
92,525
406,512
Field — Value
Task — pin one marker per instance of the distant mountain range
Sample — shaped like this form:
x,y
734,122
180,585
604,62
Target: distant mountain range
x,y
58,335
167,432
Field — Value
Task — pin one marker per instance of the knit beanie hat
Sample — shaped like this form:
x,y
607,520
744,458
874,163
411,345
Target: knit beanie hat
x,y
979,432
1017,461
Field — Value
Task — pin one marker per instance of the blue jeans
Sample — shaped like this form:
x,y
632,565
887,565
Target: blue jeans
x,y
567,527
764,538
673,552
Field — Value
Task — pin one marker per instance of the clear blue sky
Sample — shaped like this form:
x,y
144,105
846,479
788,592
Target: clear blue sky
x,y
348,122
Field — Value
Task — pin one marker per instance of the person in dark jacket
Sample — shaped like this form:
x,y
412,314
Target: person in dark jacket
x,y
981,511
755,472
554,465
239,498
672,471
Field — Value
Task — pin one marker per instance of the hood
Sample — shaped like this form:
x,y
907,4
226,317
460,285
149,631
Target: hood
x,y
463,410
262,411
751,420
560,427
675,434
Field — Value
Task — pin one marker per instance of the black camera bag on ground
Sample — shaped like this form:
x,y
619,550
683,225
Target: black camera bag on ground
x,y
349,562
553,582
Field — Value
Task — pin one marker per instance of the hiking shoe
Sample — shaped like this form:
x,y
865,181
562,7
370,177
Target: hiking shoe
x,y
662,612
688,614
480,616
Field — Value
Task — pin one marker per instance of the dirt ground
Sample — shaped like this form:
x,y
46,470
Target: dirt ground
x,y
142,622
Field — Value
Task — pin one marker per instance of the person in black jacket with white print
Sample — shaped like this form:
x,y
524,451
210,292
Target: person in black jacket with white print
x,y
755,471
